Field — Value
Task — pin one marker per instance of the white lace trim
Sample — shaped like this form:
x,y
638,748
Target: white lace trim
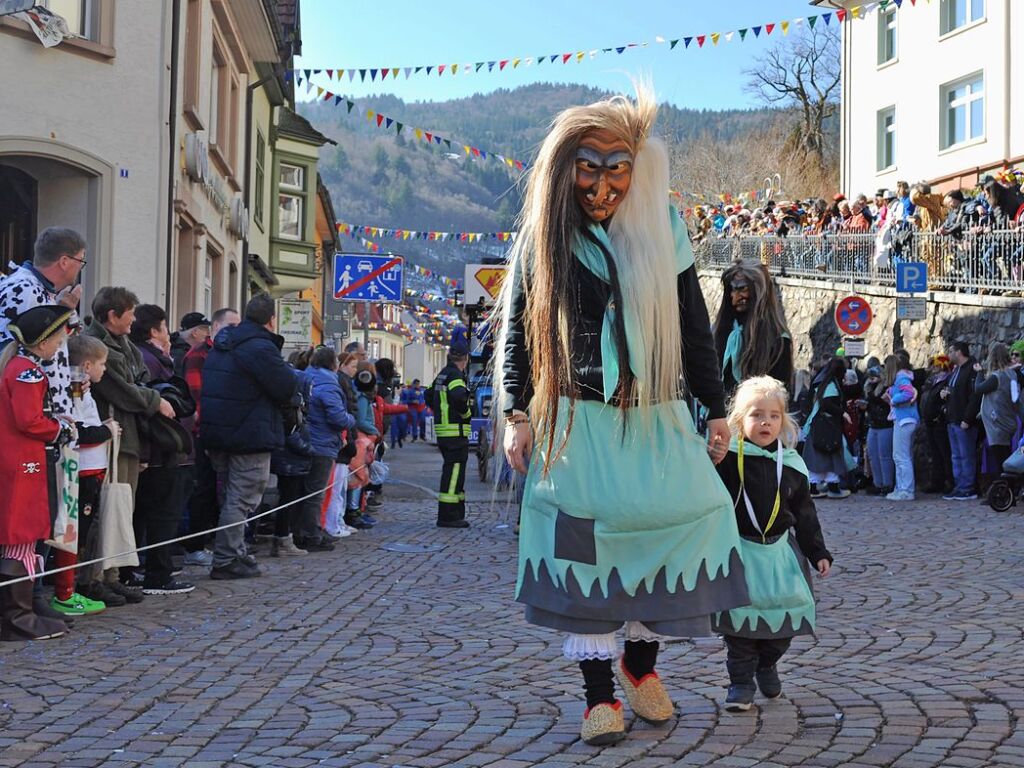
x,y
585,647
636,630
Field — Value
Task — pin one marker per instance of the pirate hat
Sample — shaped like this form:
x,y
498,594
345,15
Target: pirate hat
x,y
36,325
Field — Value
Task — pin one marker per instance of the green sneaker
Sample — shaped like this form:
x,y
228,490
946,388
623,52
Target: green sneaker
x,y
77,605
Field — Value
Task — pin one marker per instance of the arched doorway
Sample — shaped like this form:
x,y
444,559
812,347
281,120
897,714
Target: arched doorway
x,y
18,200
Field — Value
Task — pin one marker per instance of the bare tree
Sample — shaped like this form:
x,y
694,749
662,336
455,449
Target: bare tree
x,y
802,71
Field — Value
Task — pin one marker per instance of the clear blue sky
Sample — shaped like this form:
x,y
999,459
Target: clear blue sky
x,y
399,33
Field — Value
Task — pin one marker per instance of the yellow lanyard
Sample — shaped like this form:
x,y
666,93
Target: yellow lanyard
x,y
746,498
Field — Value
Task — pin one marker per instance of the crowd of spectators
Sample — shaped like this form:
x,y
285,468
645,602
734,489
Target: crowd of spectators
x,y
890,428
191,425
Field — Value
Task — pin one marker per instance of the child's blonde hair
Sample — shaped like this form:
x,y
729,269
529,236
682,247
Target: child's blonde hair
x,y
82,349
758,388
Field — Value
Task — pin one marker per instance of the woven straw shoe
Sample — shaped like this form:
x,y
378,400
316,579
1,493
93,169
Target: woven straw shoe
x,y
647,697
603,725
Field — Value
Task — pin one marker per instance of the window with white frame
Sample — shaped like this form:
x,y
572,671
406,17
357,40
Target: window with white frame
x,y
959,13
887,35
886,138
963,105
208,283
77,13
291,196
261,148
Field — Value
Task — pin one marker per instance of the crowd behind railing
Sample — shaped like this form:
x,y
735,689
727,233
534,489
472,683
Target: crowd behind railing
x,y
972,242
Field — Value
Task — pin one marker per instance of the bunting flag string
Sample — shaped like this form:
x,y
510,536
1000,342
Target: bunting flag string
x,y
389,123
358,230
498,66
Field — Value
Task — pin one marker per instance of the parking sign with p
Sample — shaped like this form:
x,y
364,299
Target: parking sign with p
x,y
912,277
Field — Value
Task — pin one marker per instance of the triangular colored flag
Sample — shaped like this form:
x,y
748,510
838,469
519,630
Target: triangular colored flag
x,y
388,121
827,18
429,69
448,143
478,65
399,127
855,11
330,73
729,36
467,148
455,68
408,71
899,3
552,57
362,75
351,75
579,56
384,73
437,139
417,70
373,75
501,64
319,91
757,31
743,35
483,154
419,133
490,65
515,63
812,20
768,28
566,57
307,73
298,79
700,40
349,104
785,27
672,44
840,15
328,96
620,49
687,41
715,36
394,72
440,69
337,100
430,136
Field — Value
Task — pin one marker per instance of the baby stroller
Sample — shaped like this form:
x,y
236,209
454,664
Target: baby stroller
x,y
1005,491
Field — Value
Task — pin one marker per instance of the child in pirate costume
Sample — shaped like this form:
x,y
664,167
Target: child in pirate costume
x,y
623,520
779,525
28,431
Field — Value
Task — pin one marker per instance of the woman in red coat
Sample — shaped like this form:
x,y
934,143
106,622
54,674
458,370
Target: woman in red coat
x,y
27,427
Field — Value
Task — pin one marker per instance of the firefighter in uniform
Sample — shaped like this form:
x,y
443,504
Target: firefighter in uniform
x,y
451,425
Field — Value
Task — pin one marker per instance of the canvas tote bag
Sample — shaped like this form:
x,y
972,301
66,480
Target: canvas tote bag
x,y
117,503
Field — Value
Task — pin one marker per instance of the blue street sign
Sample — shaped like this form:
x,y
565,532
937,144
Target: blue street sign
x,y
368,277
911,277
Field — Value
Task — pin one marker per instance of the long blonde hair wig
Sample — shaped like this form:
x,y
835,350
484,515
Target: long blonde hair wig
x,y
643,254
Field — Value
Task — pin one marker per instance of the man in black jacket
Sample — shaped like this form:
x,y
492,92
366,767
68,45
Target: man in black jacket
x,y
245,385
960,424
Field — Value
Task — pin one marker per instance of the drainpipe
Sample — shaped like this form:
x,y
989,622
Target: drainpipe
x,y
172,164
1008,74
247,180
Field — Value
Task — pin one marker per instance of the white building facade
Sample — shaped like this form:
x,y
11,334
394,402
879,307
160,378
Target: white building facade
x,y
931,91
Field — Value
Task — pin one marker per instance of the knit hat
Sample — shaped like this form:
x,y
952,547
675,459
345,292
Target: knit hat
x,y
941,361
365,380
34,326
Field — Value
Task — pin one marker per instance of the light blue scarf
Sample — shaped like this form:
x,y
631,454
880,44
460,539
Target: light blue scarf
x,y
790,456
733,351
590,255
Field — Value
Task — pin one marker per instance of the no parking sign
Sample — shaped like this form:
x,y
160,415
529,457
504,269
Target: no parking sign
x,y
853,315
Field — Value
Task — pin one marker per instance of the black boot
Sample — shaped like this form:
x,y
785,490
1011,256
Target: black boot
x,y
18,621
741,684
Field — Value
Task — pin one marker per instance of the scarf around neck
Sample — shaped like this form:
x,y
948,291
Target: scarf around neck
x,y
790,456
590,253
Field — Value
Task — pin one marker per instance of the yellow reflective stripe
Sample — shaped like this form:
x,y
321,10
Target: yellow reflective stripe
x,y
454,484
447,498
444,406
456,384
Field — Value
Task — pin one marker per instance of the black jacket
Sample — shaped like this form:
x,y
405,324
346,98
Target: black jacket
x,y
245,385
179,348
878,410
700,359
796,510
961,386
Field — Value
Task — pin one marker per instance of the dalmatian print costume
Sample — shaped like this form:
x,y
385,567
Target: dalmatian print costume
x,y
20,291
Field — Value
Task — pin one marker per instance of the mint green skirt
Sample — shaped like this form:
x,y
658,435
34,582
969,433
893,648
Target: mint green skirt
x,y
781,596
629,524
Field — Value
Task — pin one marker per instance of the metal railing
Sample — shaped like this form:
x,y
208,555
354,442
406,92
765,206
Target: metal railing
x,y
990,261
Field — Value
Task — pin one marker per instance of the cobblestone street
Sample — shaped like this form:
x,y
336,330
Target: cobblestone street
x,y
368,657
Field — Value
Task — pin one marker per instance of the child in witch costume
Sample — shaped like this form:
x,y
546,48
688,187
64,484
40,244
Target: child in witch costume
x,y
28,432
780,534
623,521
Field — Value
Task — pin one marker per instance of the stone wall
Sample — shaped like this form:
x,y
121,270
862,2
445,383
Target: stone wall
x,y
810,307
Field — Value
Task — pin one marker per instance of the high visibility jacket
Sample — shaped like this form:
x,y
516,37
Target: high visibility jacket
x,y
452,397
